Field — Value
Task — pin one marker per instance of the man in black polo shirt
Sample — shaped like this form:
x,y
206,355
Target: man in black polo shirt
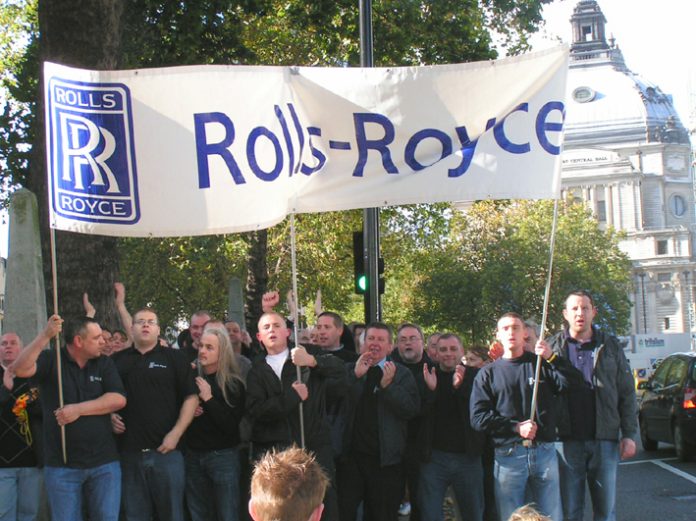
x,y
91,390
162,401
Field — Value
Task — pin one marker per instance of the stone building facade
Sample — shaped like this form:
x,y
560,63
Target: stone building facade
x,y
628,157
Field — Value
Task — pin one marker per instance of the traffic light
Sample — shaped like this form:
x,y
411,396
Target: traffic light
x,y
360,278
361,281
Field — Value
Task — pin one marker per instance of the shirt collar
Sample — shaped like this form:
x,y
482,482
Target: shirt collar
x,y
578,343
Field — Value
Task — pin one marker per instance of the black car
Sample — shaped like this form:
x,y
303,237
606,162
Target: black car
x,y
668,407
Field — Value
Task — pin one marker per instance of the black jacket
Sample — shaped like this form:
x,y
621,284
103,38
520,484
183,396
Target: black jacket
x,y
415,424
396,404
273,405
615,396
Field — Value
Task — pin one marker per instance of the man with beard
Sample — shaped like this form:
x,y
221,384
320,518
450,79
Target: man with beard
x,y
411,353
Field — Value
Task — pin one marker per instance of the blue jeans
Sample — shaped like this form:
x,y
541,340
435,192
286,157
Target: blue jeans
x,y
537,466
593,461
20,493
212,485
463,472
101,487
153,483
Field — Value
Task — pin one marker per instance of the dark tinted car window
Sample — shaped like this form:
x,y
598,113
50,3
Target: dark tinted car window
x,y
677,372
660,376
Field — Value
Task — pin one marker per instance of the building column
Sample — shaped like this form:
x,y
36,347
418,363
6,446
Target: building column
x,y
642,299
587,197
609,204
688,305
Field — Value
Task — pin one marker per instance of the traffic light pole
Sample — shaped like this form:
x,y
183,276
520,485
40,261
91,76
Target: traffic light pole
x,y
373,305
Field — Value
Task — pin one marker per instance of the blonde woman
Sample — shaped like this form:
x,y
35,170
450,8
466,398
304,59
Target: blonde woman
x,y
212,459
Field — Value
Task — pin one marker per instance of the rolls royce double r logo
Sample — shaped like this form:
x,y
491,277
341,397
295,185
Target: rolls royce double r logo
x,y
91,152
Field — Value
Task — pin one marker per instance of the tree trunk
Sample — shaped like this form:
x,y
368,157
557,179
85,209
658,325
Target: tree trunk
x,y
79,33
257,278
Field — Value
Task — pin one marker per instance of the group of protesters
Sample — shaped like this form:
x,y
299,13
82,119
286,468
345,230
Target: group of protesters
x,y
148,431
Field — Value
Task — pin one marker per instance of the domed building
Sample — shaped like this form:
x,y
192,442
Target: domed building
x,y
628,157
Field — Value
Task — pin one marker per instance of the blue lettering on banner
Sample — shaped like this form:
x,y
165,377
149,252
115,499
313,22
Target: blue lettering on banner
x,y
547,122
91,152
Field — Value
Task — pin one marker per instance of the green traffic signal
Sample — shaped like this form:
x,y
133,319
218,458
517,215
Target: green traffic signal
x,y
361,283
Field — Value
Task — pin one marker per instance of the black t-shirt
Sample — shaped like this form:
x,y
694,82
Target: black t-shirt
x,y
16,449
157,384
449,430
366,427
218,427
89,440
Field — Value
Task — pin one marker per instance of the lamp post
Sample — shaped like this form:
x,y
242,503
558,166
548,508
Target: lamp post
x,y
642,290
373,305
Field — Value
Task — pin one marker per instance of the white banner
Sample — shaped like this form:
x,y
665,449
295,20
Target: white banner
x,y
221,149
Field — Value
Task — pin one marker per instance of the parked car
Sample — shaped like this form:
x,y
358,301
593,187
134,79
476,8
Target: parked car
x,y
668,407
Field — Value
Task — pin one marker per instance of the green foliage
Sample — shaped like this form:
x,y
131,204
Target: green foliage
x,y
167,33
513,21
179,276
18,25
18,81
497,260
324,260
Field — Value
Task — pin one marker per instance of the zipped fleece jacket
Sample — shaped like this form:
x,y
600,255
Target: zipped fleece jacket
x,y
396,404
615,396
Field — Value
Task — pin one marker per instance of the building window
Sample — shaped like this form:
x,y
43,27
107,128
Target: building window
x,y
664,277
677,205
662,247
586,32
666,323
602,211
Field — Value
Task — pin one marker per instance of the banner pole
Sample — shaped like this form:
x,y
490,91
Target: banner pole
x,y
59,368
295,316
547,293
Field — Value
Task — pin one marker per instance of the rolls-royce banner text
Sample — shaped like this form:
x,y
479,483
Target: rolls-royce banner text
x,y
218,149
